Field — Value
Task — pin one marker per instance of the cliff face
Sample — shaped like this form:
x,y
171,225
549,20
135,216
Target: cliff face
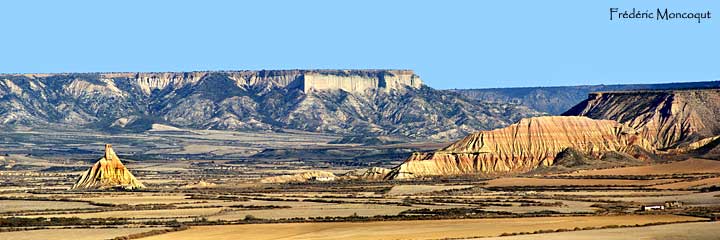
x,y
357,102
669,119
350,81
108,172
522,147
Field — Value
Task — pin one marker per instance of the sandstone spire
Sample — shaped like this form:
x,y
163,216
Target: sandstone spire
x,y
108,172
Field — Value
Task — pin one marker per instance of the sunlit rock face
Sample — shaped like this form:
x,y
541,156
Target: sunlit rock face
x,y
358,82
521,147
108,173
668,119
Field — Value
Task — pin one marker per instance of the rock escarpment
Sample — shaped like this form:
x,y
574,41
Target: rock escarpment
x,y
522,147
669,119
557,100
350,102
108,173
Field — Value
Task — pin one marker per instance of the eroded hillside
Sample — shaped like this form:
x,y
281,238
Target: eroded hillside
x,y
669,119
358,102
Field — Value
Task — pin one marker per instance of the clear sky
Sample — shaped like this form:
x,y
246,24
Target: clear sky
x,y
450,44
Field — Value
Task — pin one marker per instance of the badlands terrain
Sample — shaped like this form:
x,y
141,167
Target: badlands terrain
x,y
352,154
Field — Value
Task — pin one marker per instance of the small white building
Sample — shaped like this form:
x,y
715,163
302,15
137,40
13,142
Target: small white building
x,y
652,208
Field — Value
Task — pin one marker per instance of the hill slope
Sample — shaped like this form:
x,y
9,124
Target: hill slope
x,y
524,146
358,102
669,119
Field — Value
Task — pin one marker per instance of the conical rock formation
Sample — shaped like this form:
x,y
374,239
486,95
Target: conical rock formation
x,y
523,146
108,173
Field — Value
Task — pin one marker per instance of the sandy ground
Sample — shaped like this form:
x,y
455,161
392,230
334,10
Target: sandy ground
x,y
505,182
141,199
687,166
628,193
691,184
431,229
21,205
74,234
709,198
314,210
696,231
164,213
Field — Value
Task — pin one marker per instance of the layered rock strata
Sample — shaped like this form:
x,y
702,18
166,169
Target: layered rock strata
x,y
521,147
669,119
108,173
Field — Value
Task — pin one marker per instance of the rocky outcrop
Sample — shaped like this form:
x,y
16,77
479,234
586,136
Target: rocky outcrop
x,y
668,119
108,173
358,82
199,185
315,176
349,102
369,174
522,147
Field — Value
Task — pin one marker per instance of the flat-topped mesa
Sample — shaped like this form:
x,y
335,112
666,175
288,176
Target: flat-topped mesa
x,y
360,80
108,173
521,147
667,118
356,81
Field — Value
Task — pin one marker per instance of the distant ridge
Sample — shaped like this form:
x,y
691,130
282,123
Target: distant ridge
x,y
558,99
359,102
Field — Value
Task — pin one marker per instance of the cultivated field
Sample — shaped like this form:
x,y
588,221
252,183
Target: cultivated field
x,y
431,229
74,234
693,165
695,231
505,182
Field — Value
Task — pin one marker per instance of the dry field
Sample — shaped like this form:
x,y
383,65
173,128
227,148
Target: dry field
x,y
507,182
617,193
21,205
567,207
688,166
691,184
139,198
416,189
700,199
430,229
314,210
142,214
695,231
74,234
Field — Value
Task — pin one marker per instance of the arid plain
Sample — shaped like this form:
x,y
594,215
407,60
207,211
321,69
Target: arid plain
x,y
351,154
223,199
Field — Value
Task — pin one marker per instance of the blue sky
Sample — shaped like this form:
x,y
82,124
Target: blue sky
x,y
450,44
